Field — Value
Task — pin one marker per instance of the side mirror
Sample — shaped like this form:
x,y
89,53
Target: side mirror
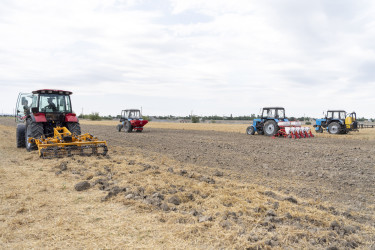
x,y
34,110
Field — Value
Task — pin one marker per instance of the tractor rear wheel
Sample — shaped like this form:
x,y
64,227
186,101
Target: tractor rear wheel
x,y
74,128
119,127
250,130
20,135
33,130
270,128
334,128
128,127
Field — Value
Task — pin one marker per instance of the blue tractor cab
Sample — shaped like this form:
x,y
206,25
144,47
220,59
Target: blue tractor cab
x,y
267,123
337,122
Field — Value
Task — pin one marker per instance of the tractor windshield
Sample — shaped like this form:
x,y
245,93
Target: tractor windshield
x,y
54,103
281,113
272,113
133,114
336,114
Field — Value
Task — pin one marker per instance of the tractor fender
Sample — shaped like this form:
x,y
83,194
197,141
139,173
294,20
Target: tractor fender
x,y
38,117
71,117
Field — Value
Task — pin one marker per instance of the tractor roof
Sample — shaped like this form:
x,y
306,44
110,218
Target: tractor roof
x,y
52,91
336,111
273,108
131,110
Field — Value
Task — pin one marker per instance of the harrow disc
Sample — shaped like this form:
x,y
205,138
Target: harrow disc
x,y
86,150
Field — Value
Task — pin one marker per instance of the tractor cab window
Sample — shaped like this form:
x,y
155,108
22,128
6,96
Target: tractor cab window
x,y
280,114
342,115
24,105
133,114
269,113
55,103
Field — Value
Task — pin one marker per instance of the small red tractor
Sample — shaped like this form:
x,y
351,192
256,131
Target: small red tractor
x,y
131,120
46,122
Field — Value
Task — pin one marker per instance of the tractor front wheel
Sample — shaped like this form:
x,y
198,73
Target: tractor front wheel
x,y
119,127
33,130
320,130
334,128
270,128
250,130
20,135
128,127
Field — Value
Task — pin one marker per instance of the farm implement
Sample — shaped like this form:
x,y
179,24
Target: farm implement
x,y
274,123
293,130
49,126
64,143
131,120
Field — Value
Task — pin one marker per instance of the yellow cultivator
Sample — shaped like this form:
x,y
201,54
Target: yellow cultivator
x,y
64,143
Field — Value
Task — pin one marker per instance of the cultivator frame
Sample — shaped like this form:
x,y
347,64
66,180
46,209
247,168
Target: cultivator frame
x,y
64,143
293,130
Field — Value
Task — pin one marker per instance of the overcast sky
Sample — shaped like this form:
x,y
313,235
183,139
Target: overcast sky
x,y
202,56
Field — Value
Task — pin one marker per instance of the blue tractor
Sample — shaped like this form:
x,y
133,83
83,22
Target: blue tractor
x,y
337,122
267,123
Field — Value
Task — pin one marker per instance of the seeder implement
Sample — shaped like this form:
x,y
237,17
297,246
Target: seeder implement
x,y
64,143
293,130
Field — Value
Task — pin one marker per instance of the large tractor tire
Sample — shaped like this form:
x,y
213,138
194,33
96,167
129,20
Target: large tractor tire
x,y
119,127
20,136
334,128
128,127
260,132
74,128
270,128
250,130
33,130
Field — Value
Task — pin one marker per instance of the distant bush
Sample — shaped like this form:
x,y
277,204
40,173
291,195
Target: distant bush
x,y
148,118
94,116
195,119
308,123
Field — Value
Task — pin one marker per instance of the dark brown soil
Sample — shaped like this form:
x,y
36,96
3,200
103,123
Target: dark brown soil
x,y
339,172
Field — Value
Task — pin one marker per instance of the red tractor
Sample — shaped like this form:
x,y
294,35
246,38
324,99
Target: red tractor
x,y
131,120
46,122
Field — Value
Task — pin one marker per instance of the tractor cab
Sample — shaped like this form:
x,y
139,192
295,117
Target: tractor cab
x,y
336,115
130,114
44,105
273,113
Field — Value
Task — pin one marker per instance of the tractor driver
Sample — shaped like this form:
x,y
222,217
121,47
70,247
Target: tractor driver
x,y
51,105
26,108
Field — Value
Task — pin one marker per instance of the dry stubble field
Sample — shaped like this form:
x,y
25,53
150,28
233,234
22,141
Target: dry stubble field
x,y
191,186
